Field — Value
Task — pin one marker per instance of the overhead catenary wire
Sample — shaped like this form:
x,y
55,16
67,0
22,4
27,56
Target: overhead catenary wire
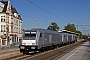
x,y
34,18
30,16
82,10
52,13
46,11
59,11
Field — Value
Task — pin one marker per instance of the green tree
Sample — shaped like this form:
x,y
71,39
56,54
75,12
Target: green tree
x,y
70,27
84,36
53,26
80,33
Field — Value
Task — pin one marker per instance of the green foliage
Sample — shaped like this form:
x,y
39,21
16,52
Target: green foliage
x,y
80,33
72,28
84,36
53,26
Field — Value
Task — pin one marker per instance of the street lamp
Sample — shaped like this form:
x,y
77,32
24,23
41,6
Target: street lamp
x,y
34,22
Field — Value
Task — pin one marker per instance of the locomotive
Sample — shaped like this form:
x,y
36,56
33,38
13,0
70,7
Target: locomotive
x,y
36,40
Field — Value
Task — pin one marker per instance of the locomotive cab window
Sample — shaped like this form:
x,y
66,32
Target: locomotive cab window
x,y
27,34
40,34
30,36
33,34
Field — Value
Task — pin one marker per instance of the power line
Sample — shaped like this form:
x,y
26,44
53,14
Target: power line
x,y
34,18
30,16
58,10
82,11
46,10
81,26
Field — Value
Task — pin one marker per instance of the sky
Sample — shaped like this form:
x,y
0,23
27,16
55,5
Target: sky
x,y
40,13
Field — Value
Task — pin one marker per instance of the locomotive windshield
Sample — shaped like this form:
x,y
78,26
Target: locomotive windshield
x,y
29,36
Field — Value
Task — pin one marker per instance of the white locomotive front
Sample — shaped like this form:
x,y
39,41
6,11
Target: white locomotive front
x,y
28,42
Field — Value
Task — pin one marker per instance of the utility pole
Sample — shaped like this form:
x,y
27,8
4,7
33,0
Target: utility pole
x,y
35,22
81,26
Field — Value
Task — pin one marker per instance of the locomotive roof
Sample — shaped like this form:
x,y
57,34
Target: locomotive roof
x,y
50,31
45,30
65,31
33,29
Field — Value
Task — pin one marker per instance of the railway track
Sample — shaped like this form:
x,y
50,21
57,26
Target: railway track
x,y
5,55
46,55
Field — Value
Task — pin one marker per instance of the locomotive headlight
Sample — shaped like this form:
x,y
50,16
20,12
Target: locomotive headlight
x,y
33,43
32,47
22,47
24,43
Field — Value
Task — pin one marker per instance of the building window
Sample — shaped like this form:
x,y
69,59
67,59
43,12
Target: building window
x,y
3,28
11,28
19,23
14,29
8,19
19,30
2,18
11,18
14,22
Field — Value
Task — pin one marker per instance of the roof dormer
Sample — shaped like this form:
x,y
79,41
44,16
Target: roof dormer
x,y
16,15
8,7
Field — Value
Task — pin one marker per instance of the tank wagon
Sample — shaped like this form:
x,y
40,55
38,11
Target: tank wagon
x,y
35,40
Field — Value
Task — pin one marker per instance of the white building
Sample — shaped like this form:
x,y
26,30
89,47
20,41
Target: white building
x,y
10,18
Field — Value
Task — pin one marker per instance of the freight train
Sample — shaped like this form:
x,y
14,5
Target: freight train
x,y
36,40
